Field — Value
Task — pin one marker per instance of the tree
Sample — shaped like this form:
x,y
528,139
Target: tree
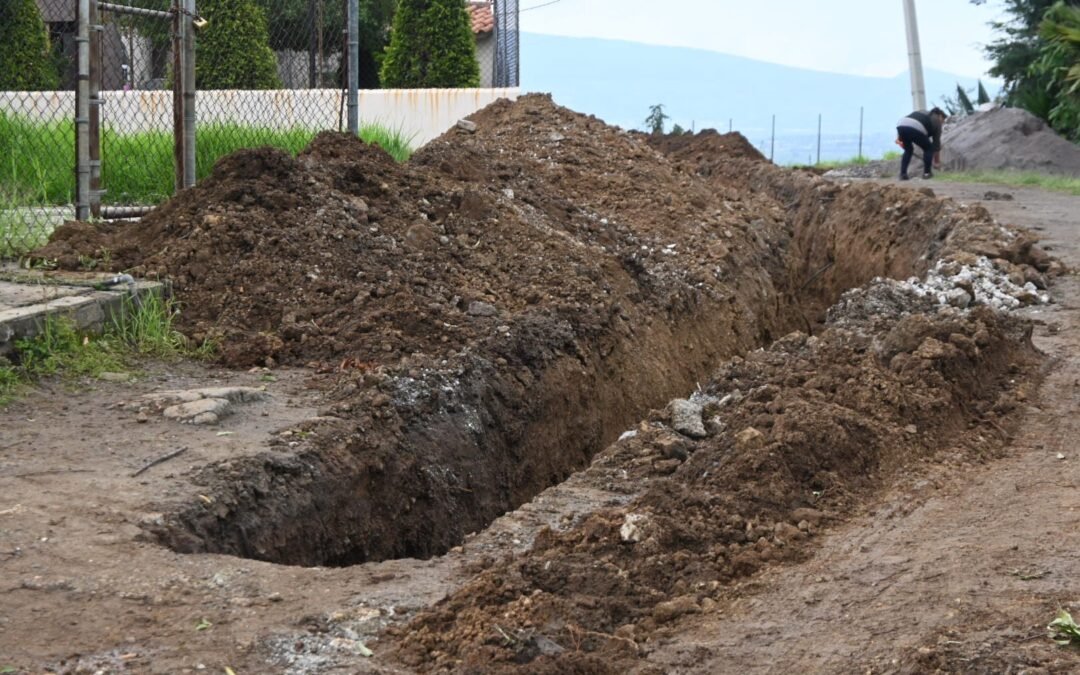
x,y
654,123
233,50
27,58
431,45
1059,64
1029,63
297,24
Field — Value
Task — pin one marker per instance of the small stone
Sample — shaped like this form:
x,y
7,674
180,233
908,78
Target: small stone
x,y
202,409
142,418
686,418
467,125
811,516
749,439
911,429
631,531
673,609
477,308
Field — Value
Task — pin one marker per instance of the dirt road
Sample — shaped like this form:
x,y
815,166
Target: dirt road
x,y
961,567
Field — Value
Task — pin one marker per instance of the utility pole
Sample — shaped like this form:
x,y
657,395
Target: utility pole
x,y
918,87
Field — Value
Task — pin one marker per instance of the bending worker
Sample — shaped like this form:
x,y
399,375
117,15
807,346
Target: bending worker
x,y
924,130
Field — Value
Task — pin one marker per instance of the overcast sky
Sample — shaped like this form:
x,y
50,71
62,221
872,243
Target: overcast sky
x,y
860,37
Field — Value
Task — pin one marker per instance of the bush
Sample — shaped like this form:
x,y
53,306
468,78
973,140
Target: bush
x,y
27,59
233,50
431,45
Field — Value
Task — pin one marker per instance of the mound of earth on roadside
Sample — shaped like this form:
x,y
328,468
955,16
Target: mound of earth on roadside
x,y
705,148
1008,139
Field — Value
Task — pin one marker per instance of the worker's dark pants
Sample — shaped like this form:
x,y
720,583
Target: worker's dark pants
x,y
910,138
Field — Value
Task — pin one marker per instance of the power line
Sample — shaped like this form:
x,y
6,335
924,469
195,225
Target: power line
x,y
545,4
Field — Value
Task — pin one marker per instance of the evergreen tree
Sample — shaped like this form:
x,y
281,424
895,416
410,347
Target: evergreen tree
x,y
431,45
26,58
233,50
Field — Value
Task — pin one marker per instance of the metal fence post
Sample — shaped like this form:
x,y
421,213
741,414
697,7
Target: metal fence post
x,y
82,116
860,129
818,139
189,92
94,131
354,62
772,140
178,96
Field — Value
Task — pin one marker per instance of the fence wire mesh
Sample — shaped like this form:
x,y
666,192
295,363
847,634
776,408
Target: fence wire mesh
x,y
268,72
37,123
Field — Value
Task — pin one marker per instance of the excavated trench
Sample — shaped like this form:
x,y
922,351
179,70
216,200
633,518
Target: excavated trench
x,y
424,459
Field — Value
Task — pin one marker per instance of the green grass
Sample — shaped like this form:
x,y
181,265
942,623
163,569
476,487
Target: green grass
x,y
36,159
142,329
1064,184
859,160
836,164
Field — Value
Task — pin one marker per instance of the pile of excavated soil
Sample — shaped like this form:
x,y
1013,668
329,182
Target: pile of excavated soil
x,y
1008,138
793,436
501,307
706,147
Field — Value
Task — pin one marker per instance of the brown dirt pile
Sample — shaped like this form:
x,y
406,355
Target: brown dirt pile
x,y
706,148
798,434
509,301
340,252
496,310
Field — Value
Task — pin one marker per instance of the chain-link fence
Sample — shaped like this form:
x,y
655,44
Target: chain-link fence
x,y
268,72
37,122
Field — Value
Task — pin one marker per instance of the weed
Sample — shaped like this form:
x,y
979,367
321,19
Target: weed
x,y
1063,629
145,324
142,328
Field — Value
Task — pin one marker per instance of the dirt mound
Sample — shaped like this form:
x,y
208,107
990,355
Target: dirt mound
x,y
705,148
794,436
495,311
1008,138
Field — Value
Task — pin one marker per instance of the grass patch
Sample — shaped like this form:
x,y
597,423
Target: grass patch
x,y
1064,184
144,329
840,163
37,159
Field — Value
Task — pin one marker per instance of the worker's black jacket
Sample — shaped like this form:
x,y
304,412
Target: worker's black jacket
x,y
932,126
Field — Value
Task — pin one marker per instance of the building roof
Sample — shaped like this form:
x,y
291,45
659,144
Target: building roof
x,y
482,17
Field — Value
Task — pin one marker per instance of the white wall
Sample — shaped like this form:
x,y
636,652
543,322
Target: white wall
x,y
422,114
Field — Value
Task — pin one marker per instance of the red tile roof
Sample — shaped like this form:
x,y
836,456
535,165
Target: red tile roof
x,y
483,18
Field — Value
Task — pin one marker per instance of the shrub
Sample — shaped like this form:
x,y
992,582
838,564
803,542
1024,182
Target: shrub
x,y
233,51
27,59
431,45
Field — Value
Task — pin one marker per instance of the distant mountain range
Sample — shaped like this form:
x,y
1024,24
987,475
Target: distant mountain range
x,y
618,81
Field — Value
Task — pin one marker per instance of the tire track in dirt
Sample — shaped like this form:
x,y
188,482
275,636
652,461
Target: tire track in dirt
x,y
960,568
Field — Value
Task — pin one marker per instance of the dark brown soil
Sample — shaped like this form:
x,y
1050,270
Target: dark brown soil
x,y
816,426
